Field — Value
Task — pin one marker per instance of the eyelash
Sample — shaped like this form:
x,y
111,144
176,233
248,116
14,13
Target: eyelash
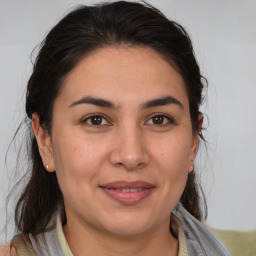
x,y
95,115
167,120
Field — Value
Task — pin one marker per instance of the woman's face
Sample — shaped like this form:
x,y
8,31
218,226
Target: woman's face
x,y
121,141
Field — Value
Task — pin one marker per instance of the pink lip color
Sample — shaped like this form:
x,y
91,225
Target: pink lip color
x,y
113,189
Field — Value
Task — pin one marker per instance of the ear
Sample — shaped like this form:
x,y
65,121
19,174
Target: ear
x,y
194,148
44,143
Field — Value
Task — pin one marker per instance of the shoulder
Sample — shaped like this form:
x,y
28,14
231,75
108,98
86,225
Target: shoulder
x,y
7,250
19,245
22,245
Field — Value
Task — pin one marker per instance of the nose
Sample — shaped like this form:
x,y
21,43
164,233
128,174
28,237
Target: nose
x,y
129,150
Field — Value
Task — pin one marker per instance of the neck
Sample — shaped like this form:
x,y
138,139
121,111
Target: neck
x,y
84,238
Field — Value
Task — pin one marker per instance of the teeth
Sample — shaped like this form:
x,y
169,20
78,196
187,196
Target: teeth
x,y
135,190
131,190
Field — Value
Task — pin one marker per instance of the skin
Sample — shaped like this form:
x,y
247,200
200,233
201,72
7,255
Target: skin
x,y
127,144
6,251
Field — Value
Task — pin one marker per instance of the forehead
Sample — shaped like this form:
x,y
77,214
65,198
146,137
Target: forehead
x,y
123,72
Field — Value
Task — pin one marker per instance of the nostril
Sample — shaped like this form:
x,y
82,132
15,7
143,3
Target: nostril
x,y
130,166
127,156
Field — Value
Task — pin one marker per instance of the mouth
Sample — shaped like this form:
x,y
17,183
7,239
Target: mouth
x,y
128,192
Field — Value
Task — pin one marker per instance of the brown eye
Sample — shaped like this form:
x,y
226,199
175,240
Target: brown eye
x,y
159,120
96,120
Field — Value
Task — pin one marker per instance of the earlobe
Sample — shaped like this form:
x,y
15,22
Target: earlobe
x,y
44,143
196,141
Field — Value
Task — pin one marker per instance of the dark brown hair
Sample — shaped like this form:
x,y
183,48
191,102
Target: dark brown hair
x,y
83,30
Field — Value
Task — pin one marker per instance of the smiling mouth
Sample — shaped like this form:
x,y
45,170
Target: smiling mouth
x,y
128,192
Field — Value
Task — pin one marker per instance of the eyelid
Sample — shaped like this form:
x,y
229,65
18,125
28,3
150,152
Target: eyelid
x,y
87,117
168,117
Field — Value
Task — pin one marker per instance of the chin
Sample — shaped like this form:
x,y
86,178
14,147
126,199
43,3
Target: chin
x,y
127,225
129,230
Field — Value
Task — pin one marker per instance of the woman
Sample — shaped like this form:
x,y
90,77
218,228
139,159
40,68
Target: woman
x,y
114,103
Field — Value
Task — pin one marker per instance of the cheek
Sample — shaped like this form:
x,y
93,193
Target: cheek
x,y
173,152
172,159
77,160
71,148
77,166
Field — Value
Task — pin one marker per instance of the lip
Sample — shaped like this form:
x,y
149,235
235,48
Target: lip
x,y
118,190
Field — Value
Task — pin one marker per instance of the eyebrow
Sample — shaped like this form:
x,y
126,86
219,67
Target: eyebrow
x,y
108,104
162,102
94,101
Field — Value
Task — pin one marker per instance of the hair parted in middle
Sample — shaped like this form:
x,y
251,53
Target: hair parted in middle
x,y
82,31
